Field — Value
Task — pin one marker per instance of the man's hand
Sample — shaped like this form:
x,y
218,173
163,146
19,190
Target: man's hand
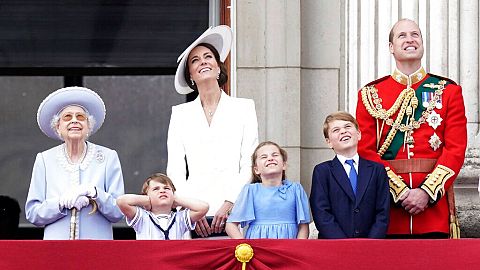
x,y
202,228
404,196
416,201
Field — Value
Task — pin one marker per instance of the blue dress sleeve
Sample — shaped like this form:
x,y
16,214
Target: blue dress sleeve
x,y
302,205
243,211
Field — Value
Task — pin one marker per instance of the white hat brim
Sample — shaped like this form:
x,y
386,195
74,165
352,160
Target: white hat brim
x,y
65,97
219,37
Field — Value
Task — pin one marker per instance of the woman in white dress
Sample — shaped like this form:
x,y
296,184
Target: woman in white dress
x,y
213,137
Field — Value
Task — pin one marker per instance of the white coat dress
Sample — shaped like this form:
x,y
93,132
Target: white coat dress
x,y
218,156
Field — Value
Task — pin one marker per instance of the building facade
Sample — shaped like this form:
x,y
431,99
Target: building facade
x,y
302,59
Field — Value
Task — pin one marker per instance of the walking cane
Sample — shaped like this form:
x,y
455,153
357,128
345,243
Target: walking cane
x,y
73,224
73,219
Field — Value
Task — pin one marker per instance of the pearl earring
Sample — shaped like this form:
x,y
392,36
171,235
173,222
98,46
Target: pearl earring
x,y
218,75
191,80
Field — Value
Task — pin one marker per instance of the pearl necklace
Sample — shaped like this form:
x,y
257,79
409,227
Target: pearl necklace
x,y
82,157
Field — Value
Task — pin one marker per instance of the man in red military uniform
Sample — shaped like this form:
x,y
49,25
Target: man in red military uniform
x,y
414,123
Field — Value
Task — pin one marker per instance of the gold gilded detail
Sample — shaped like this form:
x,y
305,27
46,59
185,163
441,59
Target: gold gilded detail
x,y
94,206
397,185
414,78
454,227
406,103
244,253
434,185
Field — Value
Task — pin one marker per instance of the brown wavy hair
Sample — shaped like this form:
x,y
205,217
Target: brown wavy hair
x,y
256,177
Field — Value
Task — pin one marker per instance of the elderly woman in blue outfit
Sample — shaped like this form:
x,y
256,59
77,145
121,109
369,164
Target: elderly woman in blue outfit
x,y
74,185
214,135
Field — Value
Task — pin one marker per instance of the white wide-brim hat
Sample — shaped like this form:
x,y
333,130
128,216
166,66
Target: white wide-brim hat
x,y
219,37
64,97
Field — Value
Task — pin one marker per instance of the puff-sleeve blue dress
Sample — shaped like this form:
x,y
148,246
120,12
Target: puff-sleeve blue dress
x,y
271,212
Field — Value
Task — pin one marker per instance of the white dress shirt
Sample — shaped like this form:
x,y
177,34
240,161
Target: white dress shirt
x,y
347,167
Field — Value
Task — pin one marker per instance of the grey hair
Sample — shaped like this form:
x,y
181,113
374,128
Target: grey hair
x,y
56,119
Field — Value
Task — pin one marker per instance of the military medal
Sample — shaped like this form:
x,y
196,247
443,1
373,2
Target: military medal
x,y
426,97
435,142
434,119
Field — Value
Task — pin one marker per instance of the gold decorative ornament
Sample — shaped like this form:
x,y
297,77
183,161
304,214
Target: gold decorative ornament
x,y
435,182
244,253
396,184
94,206
454,227
409,79
406,103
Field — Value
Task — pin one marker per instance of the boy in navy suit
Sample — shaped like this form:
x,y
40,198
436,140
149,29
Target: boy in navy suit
x,y
350,195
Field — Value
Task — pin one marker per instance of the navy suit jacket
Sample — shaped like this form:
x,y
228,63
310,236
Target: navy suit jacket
x,y
338,213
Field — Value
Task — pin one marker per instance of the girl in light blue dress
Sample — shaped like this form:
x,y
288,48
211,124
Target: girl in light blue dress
x,y
271,206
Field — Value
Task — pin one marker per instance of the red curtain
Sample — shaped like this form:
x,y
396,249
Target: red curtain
x,y
219,254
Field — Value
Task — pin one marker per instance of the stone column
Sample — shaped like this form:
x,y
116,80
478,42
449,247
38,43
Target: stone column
x,y
268,70
322,51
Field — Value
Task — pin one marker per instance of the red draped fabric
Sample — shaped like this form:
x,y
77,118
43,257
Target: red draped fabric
x,y
219,254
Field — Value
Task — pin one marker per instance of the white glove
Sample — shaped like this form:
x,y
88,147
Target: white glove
x,y
87,190
61,202
67,200
81,202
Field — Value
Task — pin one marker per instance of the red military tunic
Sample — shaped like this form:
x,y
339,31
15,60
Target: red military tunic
x,y
441,136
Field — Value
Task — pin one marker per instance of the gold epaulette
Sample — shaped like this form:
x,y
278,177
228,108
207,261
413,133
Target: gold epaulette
x,y
397,185
435,182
